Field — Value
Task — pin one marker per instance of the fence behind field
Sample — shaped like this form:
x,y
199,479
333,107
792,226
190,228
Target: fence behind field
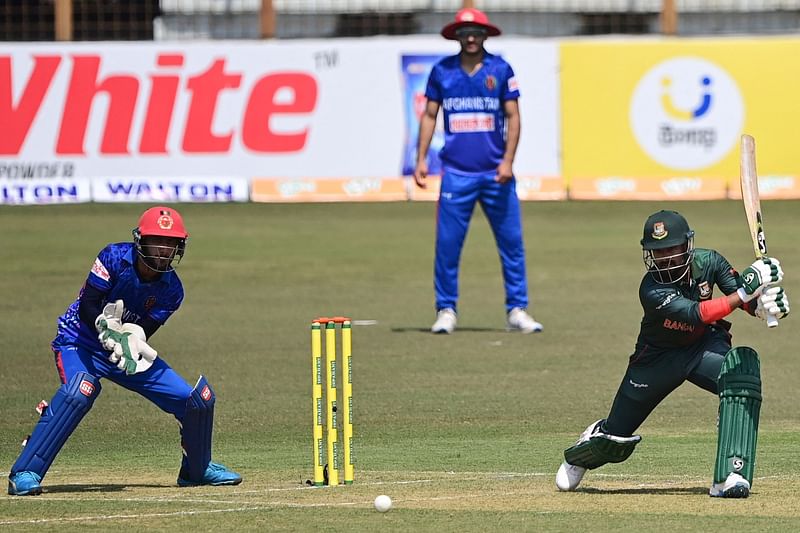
x,y
92,20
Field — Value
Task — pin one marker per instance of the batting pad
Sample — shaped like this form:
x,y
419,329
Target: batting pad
x,y
66,410
196,429
739,408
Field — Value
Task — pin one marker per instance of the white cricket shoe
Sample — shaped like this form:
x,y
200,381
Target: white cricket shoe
x,y
735,486
519,319
445,321
569,476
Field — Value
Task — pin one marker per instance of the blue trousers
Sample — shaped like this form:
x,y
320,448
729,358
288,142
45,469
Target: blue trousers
x,y
160,383
500,204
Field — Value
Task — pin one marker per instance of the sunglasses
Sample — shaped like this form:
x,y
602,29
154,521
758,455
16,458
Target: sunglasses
x,y
463,33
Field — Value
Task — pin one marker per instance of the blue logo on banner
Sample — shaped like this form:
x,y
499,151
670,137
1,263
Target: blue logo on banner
x,y
172,191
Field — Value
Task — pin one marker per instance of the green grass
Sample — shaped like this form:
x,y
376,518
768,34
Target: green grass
x,y
463,431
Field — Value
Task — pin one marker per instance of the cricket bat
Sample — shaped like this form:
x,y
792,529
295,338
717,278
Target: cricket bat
x,y
752,202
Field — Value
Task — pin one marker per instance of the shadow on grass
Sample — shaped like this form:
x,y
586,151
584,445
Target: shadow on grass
x,y
656,491
94,487
459,329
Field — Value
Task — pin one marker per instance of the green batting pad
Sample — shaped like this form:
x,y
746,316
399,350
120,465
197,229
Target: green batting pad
x,y
601,449
739,408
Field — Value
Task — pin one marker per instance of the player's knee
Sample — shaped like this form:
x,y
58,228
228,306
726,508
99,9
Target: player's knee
x,y
202,397
740,375
79,392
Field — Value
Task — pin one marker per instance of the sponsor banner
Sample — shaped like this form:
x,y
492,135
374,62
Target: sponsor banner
x,y
429,194
677,108
536,68
528,188
177,189
44,191
277,109
416,69
541,188
772,188
329,190
622,188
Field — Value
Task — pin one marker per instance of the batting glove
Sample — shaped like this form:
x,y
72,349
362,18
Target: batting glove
x,y
761,274
774,301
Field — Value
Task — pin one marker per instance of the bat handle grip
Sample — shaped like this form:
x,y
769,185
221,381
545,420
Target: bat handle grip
x,y
772,321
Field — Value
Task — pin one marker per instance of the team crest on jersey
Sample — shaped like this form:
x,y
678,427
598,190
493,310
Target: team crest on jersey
x,y
149,303
99,270
165,220
659,231
490,82
705,290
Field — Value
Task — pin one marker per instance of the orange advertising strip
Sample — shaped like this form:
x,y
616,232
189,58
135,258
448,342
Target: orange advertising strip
x,y
541,188
626,188
528,188
328,190
773,188
429,194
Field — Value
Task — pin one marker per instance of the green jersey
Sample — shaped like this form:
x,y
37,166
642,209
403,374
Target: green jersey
x,y
672,311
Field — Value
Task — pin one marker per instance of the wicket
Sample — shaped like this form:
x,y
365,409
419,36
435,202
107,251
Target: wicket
x,y
330,400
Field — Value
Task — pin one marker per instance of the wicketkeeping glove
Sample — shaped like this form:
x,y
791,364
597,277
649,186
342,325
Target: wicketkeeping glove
x,y
129,348
112,315
773,301
761,274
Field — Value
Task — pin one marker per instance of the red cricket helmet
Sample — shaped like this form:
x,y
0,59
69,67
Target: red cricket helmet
x,y
162,221
469,17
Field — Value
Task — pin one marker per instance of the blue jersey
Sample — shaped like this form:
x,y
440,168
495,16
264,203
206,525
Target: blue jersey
x,y
113,273
474,118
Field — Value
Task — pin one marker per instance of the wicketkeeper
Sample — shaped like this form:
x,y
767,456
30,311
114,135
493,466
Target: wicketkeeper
x,y
683,337
131,291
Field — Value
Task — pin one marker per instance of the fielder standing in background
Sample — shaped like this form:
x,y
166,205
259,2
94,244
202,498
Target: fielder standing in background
x,y
683,337
131,291
478,94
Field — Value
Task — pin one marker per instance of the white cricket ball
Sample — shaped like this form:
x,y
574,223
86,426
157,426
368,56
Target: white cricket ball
x,y
383,503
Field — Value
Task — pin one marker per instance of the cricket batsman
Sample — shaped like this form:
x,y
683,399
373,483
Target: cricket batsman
x,y
683,337
131,291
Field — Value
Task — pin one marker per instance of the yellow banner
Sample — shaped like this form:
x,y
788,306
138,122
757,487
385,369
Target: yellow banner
x,y
641,112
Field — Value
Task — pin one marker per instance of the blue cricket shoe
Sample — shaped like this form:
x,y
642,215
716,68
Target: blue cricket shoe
x,y
24,484
216,474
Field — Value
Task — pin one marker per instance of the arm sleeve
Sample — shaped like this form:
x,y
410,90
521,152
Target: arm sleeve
x,y
728,280
713,310
91,304
668,302
149,326
433,89
510,91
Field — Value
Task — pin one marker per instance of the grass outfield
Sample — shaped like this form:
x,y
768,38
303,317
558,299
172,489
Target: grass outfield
x,y
464,432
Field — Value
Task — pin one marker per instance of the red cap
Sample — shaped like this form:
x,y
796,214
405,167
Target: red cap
x,y
469,17
162,221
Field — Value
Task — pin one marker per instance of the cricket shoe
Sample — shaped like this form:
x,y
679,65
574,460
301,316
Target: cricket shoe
x,y
569,476
445,321
216,474
24,484
519,319
735,486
